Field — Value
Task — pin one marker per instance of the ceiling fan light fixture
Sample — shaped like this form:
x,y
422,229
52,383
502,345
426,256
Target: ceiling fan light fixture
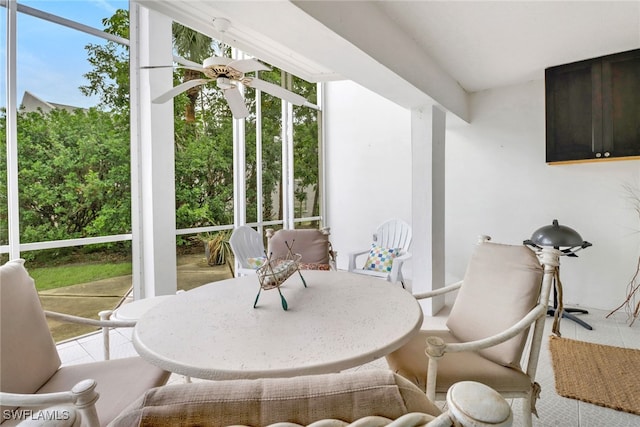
x,y
224,83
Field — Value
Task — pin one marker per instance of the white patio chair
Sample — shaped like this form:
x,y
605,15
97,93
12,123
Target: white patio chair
x,y
387,254
499,312
30,365
248,249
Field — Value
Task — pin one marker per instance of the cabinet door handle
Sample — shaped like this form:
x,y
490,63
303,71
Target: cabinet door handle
x,y
607,154
598,155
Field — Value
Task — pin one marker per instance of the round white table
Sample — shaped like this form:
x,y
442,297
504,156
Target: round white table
x,y
135,309
339,321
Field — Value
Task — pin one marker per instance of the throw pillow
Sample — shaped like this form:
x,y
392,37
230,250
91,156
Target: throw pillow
x,y
381,259
313,266
256,262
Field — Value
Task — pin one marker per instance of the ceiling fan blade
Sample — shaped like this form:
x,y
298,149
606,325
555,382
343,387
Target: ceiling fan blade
x,y
188,67
236,103
179,89
152,67
212,61
275,90
248,65
185,67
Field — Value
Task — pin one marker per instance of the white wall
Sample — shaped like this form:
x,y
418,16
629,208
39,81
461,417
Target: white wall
x,y
368,165
497,183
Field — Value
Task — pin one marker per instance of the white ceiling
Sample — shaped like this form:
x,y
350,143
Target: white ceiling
x,y
486,44
416,51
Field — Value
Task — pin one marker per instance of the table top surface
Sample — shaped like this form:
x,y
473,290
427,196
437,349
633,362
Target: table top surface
x,y
339,321
135,309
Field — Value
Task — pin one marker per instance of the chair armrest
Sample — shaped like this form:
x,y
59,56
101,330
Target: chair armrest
x,y
396,267
441,291
353,256
82,396
103,323
436,347
91,322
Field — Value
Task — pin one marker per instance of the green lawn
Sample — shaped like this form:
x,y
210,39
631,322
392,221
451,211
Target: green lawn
x,y
57,277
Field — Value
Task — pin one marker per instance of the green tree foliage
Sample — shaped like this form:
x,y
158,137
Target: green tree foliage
x,y
306,150
195,47
74,168
204,166
73,177
109,78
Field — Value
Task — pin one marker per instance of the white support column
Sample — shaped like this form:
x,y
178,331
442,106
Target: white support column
x,y
152,156
322,151
12,133
239,165
259,169
427,210
287,165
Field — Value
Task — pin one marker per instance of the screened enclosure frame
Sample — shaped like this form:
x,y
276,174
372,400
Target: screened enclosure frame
x,y
14,247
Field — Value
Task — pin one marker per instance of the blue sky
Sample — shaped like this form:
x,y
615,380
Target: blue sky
x,y
51,57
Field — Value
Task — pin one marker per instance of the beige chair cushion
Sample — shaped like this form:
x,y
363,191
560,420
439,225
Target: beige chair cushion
x,y
28,354
313,245
303,400
119,382
410,361
501,285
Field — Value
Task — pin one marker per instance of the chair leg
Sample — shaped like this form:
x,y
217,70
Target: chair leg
x,y
105,315
527,415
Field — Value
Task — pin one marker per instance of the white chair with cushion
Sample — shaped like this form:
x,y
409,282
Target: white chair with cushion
x,y
30,366
387,253
501,303
248,250
313,246
367,398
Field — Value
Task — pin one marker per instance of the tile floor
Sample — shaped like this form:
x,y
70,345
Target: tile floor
x,y
554,410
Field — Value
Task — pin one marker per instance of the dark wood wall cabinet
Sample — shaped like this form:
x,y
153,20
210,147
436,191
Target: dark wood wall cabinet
x,y
593,109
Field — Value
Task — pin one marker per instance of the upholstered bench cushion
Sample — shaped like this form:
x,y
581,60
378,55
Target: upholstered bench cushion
x,y
312,244
303,400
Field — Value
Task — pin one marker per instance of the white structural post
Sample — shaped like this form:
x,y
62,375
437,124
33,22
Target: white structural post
x,y
322,151
12,132
259,195
287,165
152,156
239,164
428,196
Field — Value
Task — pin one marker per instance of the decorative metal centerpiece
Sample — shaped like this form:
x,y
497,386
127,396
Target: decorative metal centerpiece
x,y
274,272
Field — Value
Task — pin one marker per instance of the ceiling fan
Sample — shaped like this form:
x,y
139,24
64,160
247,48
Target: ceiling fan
x,y
228,75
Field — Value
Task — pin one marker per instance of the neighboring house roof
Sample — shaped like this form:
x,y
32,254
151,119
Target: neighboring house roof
x,y
31,103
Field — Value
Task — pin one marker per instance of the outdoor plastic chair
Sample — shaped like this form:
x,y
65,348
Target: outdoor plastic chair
x,y
248,249
387,253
